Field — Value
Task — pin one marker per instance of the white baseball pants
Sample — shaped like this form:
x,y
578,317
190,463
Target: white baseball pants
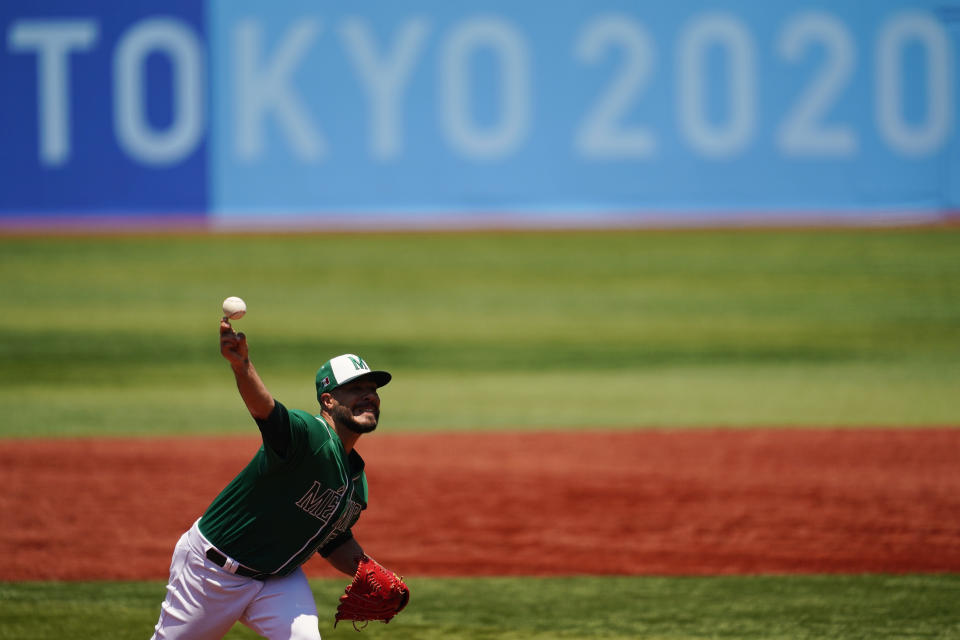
x,y
204,601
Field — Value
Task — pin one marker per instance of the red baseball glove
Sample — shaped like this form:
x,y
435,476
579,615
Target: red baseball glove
x,y
376,593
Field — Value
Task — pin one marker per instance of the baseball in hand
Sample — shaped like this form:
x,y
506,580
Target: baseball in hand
x,y
234,308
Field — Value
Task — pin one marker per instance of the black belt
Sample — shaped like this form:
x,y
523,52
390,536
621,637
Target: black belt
x,y
220,560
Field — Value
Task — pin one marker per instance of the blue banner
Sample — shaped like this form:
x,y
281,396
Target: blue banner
x,y
104,108
420,110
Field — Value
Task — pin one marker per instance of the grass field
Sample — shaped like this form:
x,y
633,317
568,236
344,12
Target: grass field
x,y
117,335
742,608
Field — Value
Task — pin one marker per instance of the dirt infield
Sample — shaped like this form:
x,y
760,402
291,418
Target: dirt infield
x,y
638,502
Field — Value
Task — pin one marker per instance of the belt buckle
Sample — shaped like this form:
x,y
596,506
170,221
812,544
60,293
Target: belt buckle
x,y
231,565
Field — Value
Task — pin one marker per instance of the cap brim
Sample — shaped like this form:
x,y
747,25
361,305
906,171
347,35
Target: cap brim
x,y
380,377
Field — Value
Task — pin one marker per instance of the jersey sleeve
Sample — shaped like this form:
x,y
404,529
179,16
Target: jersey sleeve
x,y
331,546
275,429
283,433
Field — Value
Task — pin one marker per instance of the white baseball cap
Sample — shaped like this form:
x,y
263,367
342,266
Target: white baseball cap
x,y
342,369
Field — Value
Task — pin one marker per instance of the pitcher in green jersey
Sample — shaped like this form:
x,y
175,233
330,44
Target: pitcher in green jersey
x,y
301,493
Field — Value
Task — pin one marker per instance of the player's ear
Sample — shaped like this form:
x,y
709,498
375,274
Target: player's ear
x,y
326,401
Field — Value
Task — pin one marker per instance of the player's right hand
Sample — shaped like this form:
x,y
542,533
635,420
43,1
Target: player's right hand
x,y
233,346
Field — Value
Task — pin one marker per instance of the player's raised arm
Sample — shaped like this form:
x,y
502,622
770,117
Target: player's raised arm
x,y
233,347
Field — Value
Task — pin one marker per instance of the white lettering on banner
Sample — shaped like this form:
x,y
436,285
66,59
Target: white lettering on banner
x,y
804,131
134,132
894,37
505,136
53,41
385,78
264,88
726,32
907,60
602,133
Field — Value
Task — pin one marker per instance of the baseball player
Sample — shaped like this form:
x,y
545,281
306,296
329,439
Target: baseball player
x,y
302,492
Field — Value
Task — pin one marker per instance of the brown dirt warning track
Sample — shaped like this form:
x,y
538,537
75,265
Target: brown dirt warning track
x,y
629,502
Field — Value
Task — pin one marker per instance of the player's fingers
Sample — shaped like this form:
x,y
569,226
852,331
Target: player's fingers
x,y
225,326
228,339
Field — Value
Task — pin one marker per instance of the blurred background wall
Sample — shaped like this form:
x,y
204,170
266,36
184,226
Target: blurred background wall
x,y
433,113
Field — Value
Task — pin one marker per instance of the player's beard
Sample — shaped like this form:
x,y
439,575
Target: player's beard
x,y
343,416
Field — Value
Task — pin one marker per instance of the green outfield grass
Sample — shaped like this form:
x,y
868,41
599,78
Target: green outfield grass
x,y
117,335
740,608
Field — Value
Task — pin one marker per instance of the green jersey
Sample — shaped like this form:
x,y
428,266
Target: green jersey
x,y
279,510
